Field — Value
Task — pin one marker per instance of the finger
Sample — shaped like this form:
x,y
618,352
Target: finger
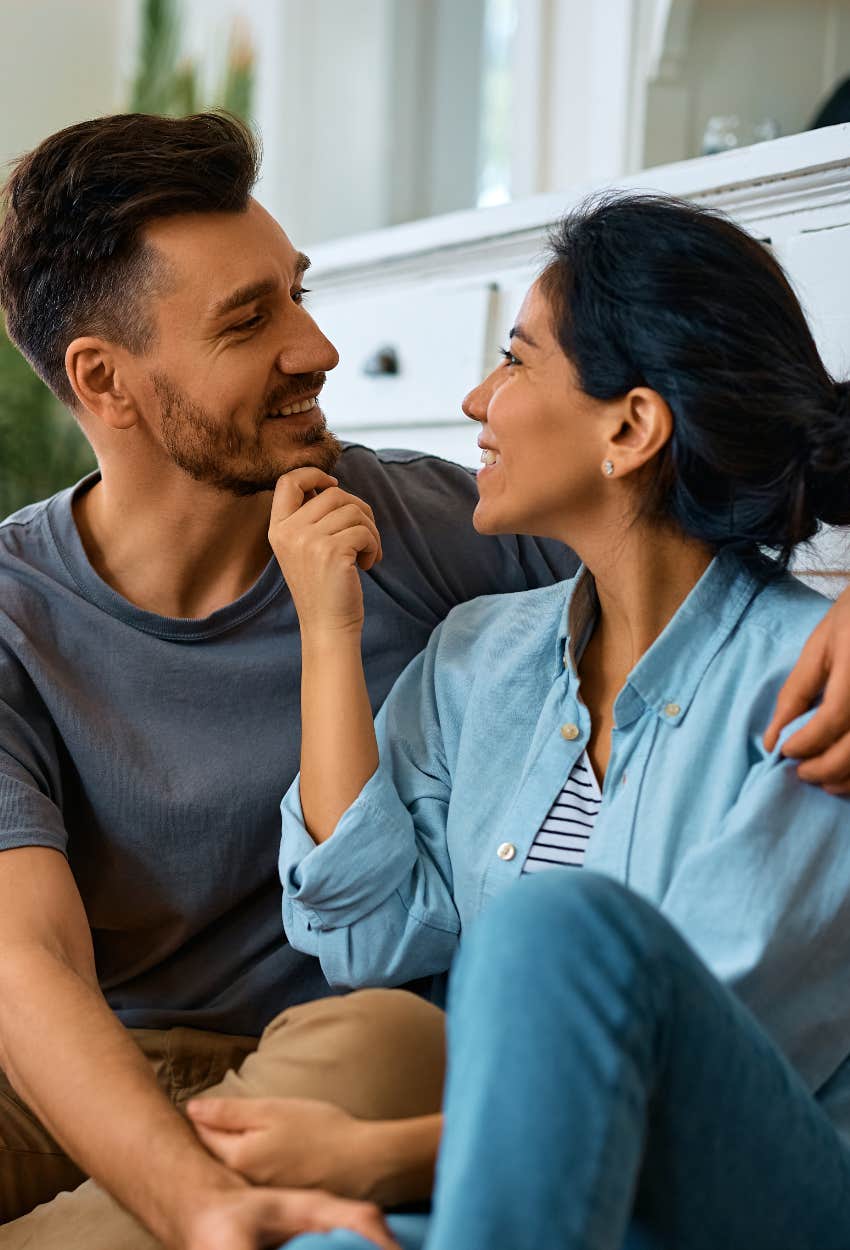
x,y
316,1211
359,541
831,768
826,728
219,1143
804,684
293,487
231,1114
331,500
364,1218
374,1229
348,518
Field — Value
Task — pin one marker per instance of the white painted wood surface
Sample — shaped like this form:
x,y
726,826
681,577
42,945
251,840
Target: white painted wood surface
x,y
444,291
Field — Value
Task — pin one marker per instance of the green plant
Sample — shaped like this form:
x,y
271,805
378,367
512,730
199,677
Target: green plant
x,y
167,82
42,448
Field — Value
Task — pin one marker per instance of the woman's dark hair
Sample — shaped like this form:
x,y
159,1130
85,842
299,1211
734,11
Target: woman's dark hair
x,y
72,259
655,292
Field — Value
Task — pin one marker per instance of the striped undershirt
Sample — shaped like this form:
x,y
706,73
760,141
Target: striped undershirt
x,y
564,835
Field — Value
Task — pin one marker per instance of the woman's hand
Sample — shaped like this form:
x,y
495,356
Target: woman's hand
x,y
286,1141
248,1219
321,536
823,744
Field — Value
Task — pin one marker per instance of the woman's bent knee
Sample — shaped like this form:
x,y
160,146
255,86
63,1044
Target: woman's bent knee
x,y
571,915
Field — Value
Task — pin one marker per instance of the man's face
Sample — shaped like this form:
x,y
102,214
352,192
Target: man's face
x,y
232,383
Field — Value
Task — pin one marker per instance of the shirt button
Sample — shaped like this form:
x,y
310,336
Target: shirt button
x,y
506,851
623,779
672,709
570,732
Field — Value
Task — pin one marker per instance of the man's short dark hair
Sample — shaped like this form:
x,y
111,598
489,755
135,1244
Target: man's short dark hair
x,y
72,260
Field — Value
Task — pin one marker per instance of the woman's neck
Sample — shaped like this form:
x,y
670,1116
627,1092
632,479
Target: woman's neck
x,y
641,584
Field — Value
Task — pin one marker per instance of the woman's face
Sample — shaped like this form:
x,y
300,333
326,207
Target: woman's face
x,y
543,442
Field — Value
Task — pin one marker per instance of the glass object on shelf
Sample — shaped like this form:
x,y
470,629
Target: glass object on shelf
x,y
767,128
494,160
721,133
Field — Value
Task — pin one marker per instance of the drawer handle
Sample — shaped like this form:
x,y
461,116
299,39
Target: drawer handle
x,y
382,363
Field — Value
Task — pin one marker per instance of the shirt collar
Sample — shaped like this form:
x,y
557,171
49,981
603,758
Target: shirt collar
x,y
667,676
577,620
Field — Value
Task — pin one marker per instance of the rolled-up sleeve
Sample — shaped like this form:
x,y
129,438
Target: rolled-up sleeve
x,y
374,901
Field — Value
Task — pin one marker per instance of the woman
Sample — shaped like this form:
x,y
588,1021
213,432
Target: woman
x,y
662,408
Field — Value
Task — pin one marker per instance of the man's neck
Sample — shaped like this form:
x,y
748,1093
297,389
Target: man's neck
x,y
175,548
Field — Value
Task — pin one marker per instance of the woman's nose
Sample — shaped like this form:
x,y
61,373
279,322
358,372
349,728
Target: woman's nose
x,y
476,402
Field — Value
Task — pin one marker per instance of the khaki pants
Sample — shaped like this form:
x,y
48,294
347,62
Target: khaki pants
x,y
380,1054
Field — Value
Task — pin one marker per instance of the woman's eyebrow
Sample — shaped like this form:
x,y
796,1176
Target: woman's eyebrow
x,y
517,332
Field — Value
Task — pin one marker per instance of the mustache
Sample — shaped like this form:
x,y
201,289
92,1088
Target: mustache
x,y
297,387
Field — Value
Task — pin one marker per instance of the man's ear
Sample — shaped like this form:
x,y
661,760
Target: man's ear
x,y
645,426
99,382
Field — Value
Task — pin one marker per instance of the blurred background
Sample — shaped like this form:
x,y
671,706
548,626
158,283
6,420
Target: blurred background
x,y
378,112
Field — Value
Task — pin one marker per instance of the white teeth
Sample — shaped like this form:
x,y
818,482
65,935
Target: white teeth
x,y
303,406
488,456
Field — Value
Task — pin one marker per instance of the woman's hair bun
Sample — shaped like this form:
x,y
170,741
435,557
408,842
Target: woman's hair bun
x,y
842,399
828,462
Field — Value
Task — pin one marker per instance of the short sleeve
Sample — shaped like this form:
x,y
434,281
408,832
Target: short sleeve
x,y
30,784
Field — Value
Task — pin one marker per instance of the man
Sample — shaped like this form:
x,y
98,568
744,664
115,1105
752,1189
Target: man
x,y
149,713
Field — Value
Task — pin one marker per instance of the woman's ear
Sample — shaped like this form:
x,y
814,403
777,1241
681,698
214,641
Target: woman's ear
x,y
645,425
99,383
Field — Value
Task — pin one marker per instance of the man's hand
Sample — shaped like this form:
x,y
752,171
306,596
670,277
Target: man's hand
x,y
321,536
287,1141
823,744
248,1219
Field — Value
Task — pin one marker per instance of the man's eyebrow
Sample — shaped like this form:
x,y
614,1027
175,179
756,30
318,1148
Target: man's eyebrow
x,y
517,332
244,295
256,290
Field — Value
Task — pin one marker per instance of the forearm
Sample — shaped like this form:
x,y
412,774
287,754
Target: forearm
x,y
400,1158
339,751
101,1103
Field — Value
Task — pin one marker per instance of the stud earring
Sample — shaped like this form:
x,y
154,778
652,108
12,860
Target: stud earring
x,y
607,467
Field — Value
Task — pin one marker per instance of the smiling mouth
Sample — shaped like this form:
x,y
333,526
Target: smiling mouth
x,y
292,410
489,457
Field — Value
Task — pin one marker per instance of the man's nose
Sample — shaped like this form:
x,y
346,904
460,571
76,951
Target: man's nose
x,y
475,404
306,349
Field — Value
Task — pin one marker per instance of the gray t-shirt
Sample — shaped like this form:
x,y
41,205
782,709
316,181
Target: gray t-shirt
x,y
154,752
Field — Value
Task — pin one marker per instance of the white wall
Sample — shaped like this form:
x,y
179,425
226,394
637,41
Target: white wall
x,y
61,62
322,100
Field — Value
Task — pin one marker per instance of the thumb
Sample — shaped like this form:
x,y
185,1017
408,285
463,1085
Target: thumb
x,y
229,1114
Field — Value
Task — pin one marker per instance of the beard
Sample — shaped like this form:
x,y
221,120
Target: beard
x,y
214,452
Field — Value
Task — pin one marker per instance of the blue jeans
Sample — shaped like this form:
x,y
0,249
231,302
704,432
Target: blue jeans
x,y
606,1092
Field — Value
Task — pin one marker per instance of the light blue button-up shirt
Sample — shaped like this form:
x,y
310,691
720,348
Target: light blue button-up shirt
x,y
750,864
